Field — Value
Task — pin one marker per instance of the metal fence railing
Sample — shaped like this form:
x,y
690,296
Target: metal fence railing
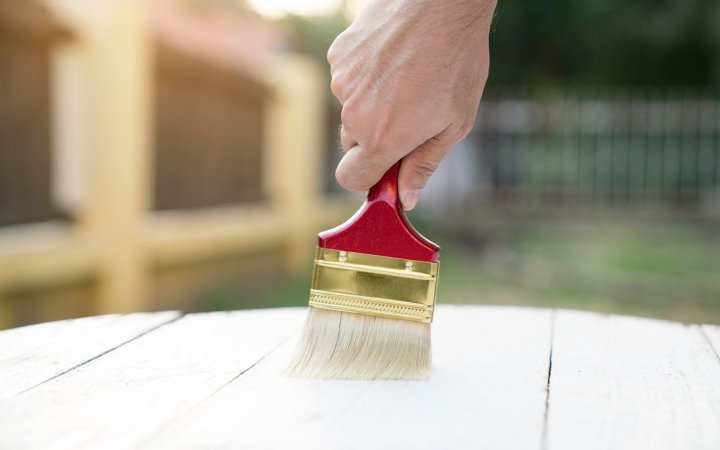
x,y
572,150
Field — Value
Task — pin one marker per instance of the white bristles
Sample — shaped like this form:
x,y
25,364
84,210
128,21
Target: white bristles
x,y
341,345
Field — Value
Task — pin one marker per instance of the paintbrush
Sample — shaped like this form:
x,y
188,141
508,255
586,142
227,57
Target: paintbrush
x,y
372,296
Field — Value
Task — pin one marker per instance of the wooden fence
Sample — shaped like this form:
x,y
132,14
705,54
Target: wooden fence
x,y
27,32
171,174
208,137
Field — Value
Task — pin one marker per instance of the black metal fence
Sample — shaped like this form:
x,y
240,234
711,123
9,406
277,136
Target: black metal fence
x,y
569,150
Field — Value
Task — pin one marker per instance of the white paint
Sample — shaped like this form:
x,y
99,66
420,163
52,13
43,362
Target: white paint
x,y
617,383
117,399
630,383
487,390
34,354
712,332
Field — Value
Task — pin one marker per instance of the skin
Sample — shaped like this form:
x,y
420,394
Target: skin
x,y
409,74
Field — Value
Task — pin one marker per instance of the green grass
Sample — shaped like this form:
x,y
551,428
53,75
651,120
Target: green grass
x,y
670,272
290,291
625,267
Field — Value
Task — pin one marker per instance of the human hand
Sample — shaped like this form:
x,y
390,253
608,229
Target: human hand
x,y
409,74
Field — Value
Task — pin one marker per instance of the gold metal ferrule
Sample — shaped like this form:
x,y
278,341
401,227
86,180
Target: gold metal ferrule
x,y
375,285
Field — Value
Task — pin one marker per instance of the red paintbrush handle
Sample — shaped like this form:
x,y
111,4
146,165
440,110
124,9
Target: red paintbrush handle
x,y
380,227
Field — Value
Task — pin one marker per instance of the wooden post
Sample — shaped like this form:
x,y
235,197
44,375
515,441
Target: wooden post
x,y
294,130
117,56
123,66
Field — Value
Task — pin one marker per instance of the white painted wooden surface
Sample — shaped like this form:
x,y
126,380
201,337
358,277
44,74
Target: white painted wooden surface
x,y
32,355
631,383
134,390
488,388
212,381
712,333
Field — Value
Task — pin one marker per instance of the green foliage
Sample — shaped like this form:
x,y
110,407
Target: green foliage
x,y
283,292
594,43
580,43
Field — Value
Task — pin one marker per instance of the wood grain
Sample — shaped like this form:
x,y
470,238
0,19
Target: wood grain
x,y
487,390
32,355
631,383
117,399
213,381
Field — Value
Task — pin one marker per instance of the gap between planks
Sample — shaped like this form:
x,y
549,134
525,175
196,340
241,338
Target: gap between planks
x,y
714,345
103,353
146,382
543,444
34,354
243,372
488,389
625,382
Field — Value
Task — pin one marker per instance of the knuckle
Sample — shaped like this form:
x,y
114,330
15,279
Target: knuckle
x,y
472,116
336,86
378,142
466,125
446,138
423,170
349,113
335,49
343,139
332,53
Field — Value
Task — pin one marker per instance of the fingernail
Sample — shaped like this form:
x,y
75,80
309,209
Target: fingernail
x,y
410,199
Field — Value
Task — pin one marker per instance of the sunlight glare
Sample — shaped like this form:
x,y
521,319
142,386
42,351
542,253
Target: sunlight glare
x,y
276,9
354,7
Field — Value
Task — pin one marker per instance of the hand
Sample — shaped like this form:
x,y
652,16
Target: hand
x,y
409,74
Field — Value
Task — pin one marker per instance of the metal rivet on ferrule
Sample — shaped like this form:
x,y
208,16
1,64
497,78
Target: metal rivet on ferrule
x,y
343,256
408,266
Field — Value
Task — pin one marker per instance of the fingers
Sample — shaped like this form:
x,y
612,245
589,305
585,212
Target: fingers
x,y
370,152
336,87
362,167
419,165
346,141
340,74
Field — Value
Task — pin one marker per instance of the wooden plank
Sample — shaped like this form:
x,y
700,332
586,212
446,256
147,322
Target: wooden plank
x,y
631,383
488,390
34,354
118,399
712,333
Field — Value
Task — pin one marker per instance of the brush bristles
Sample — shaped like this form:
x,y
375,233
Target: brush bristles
x,y
341,345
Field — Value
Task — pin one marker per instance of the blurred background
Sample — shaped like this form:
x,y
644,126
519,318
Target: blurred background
x,y
179,154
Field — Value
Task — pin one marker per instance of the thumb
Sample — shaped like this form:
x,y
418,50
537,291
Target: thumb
x,y
419,165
